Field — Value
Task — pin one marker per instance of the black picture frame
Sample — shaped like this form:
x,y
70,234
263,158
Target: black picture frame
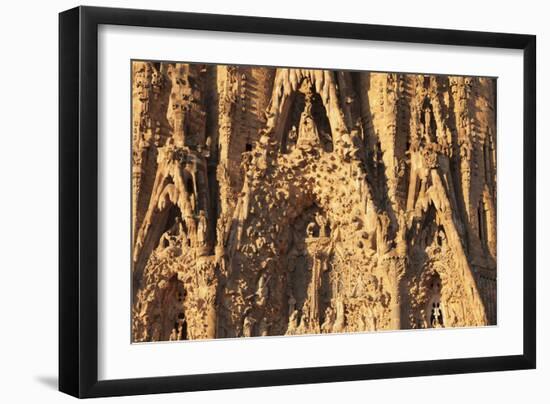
x,y
78,201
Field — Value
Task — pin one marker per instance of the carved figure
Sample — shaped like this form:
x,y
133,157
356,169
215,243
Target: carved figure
x,y
330,317
262,293
202,229
248,326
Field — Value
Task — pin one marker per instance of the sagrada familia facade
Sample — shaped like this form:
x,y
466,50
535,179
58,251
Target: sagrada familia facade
x,y
285,201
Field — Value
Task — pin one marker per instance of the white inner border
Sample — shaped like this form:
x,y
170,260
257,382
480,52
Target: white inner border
x,y
118,358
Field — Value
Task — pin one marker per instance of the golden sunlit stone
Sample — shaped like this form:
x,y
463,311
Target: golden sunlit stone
x,y
280,201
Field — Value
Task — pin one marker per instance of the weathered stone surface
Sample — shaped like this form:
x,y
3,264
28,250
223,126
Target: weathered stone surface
x,y
277,201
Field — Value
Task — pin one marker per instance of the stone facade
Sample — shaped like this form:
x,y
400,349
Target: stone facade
x,y
281,201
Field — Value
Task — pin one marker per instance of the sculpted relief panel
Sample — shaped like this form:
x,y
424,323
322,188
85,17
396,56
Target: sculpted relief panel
x,y
282,201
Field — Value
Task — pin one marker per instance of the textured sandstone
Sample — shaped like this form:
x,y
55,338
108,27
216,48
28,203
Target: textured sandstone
x,y
279,201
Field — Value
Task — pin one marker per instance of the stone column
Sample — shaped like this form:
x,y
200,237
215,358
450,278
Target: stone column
x,y
398,304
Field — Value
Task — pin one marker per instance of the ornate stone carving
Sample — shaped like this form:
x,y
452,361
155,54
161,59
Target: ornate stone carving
x,y
281,201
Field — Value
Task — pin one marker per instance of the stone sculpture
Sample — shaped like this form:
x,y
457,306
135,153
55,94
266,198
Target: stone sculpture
x,y
284,201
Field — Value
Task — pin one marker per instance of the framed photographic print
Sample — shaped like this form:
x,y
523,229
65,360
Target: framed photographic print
x,y
249,201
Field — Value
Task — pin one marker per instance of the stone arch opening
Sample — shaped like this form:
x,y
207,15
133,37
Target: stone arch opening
x,y
168,324
434,307
173,303
309,288
174,231
180,326
189,187
190,190
319,114
173,218
428,229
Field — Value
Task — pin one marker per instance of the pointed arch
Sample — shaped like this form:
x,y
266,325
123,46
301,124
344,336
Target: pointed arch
x,y
287,84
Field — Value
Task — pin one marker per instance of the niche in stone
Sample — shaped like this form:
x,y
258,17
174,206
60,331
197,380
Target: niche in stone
x,y
175,323
174,229
428,232
307,120
309,289
434,308
190,190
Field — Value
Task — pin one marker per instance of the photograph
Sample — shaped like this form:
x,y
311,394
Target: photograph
x,y
275,202
284,201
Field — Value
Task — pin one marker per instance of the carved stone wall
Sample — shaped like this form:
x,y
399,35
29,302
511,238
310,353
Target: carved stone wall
x,y
280,201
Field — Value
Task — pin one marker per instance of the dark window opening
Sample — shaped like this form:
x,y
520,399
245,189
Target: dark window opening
x,y
426,81
181,327
173,214
482,226
189,186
